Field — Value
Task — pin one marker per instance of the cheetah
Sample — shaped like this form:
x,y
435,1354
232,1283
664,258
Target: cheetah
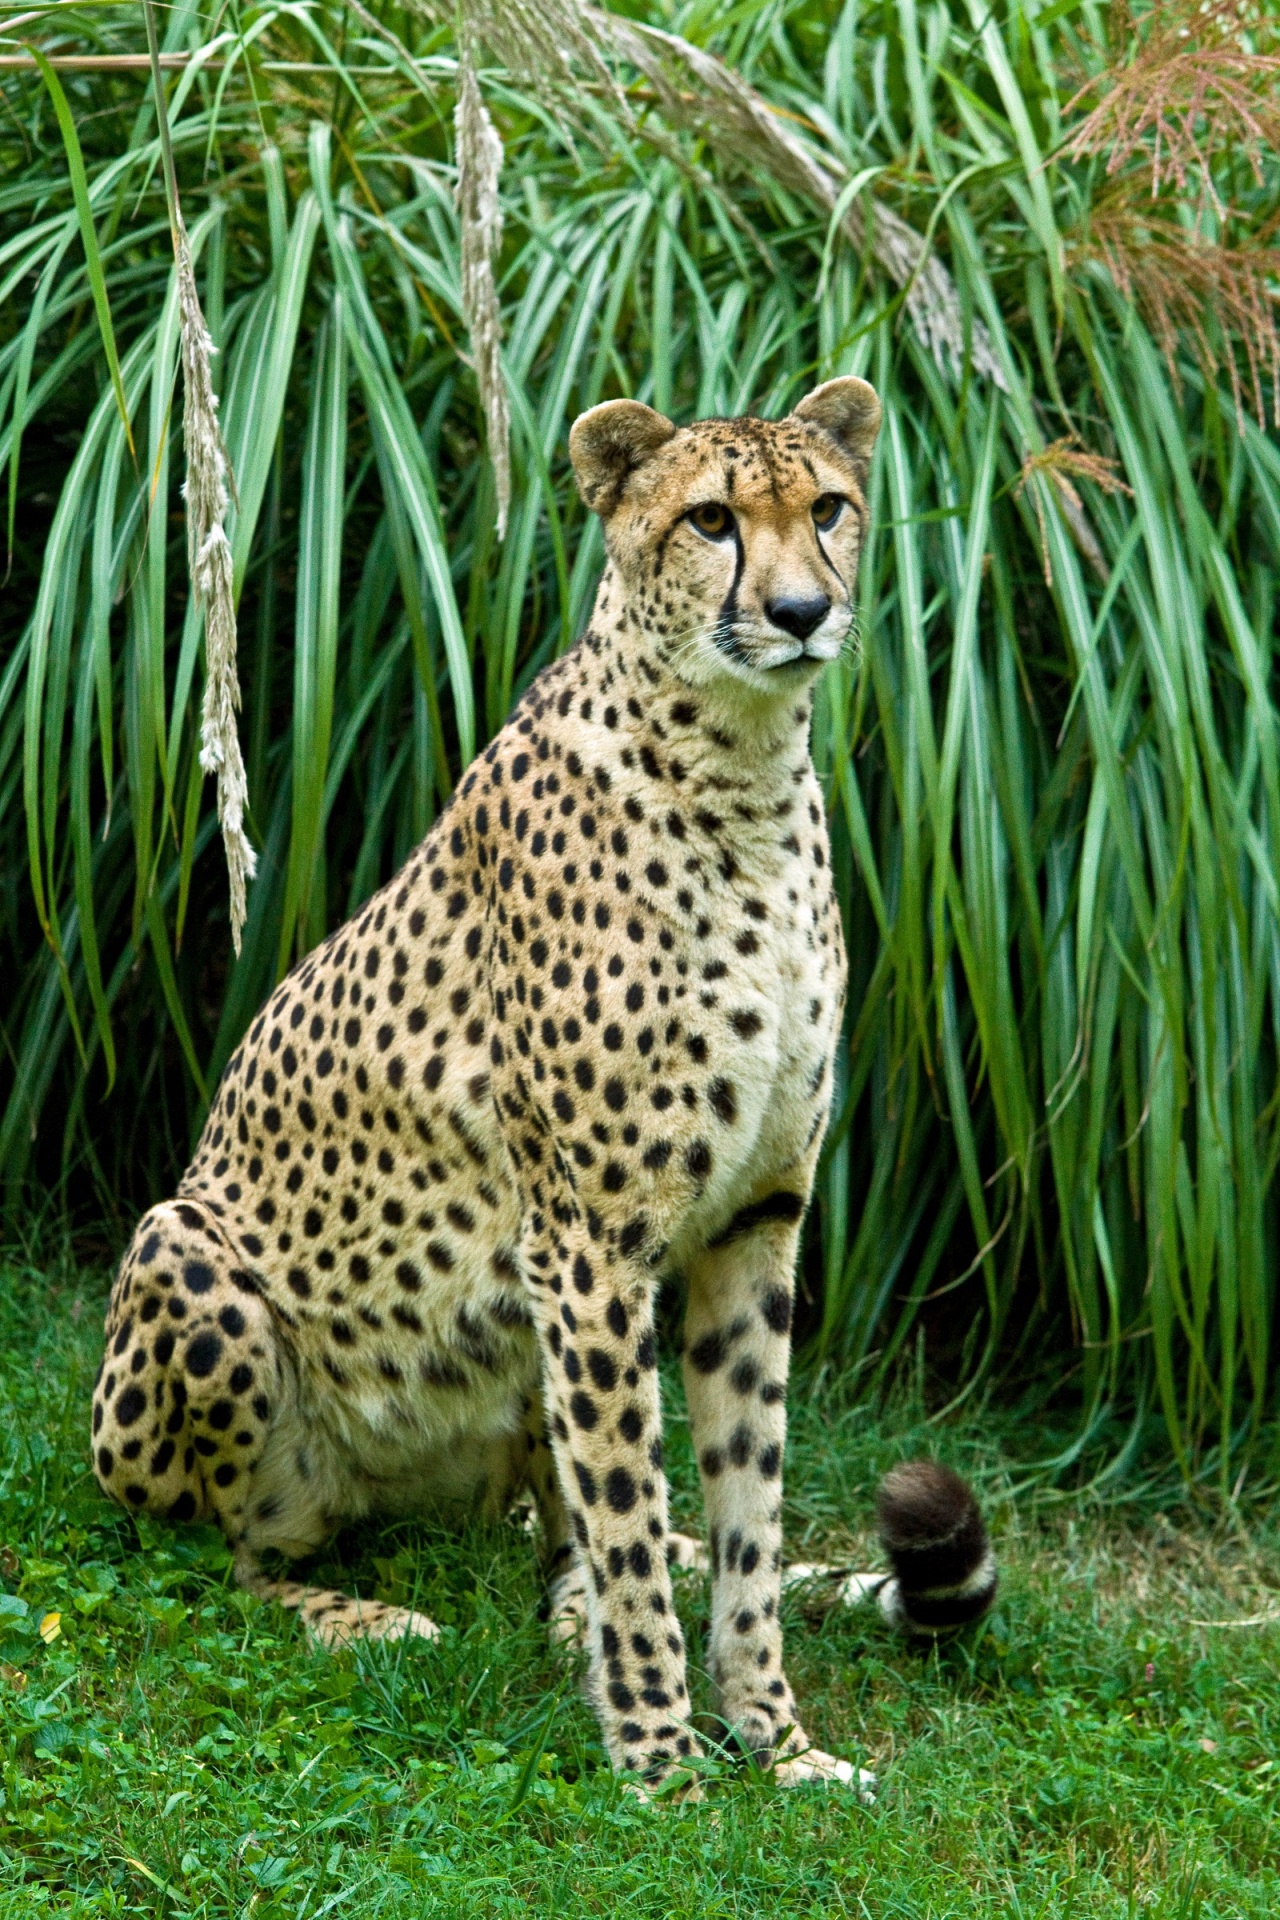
x,y
582,1041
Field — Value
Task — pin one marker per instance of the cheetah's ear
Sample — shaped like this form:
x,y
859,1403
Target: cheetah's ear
x,y
608,443
849,410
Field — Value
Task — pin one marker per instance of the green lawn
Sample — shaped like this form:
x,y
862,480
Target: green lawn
x,y
176,1749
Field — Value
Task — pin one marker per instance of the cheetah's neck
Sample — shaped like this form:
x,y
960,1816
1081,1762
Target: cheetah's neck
x,y
720,739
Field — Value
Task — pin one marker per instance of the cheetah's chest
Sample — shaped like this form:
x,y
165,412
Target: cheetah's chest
x,y
804,995
781,1014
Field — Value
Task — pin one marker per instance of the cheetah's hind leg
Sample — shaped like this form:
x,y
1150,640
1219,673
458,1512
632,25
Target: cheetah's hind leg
x,y
192,1390
191,1379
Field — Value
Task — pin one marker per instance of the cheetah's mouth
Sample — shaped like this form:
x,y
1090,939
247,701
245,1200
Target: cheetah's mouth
x,y
765,652
818,650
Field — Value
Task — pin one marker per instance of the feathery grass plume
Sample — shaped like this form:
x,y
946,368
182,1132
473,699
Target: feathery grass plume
x,y
549,44
1193,84
208,550
1196,95
1186,284
547,47
209,562
479,166
1059,462
698,93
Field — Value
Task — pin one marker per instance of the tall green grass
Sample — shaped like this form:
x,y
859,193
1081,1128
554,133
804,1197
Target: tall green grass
x,y
1052,766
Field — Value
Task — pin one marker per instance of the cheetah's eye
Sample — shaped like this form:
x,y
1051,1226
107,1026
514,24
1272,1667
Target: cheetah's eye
x,y
826,510
712,520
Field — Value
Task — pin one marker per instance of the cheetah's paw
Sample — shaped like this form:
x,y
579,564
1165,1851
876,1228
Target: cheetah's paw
x,y
799,1768
343,1624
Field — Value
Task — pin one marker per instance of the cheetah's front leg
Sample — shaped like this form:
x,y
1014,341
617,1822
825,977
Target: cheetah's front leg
x,y
594,1311
737,1353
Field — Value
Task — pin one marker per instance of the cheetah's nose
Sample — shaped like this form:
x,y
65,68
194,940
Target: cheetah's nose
x,y
798,614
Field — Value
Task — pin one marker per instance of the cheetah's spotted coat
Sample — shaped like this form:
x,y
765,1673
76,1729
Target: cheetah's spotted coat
x,y
582,1039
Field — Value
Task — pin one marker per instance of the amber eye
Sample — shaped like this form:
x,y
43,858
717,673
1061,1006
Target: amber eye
x,y
826,510
713,520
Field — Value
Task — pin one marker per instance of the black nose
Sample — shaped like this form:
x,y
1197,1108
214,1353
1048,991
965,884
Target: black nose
x,y
798,615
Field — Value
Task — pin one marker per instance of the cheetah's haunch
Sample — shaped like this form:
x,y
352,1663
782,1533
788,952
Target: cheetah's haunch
x,y
583,1039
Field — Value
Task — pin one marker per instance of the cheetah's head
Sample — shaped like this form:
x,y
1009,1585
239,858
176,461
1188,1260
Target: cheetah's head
x,y
737,541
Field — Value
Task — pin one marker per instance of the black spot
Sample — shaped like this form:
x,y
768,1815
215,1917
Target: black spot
x,y
745,1376
131,1405
203,1355
698,1159
620,1490
602,1369
633,1235
776,1308
586,1482
708,1353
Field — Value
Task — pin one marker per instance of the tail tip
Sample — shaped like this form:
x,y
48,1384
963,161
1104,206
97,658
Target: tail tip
x,y
932,1529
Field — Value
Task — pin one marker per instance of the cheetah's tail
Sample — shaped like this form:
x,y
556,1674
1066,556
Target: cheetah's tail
x,y
943,1570
932,1529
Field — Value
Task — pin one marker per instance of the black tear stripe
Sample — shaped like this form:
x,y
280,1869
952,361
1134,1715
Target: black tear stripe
x,y
830,563
723,633
775,1206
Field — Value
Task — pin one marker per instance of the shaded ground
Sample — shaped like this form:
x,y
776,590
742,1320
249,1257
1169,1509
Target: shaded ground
x,y
176,1750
